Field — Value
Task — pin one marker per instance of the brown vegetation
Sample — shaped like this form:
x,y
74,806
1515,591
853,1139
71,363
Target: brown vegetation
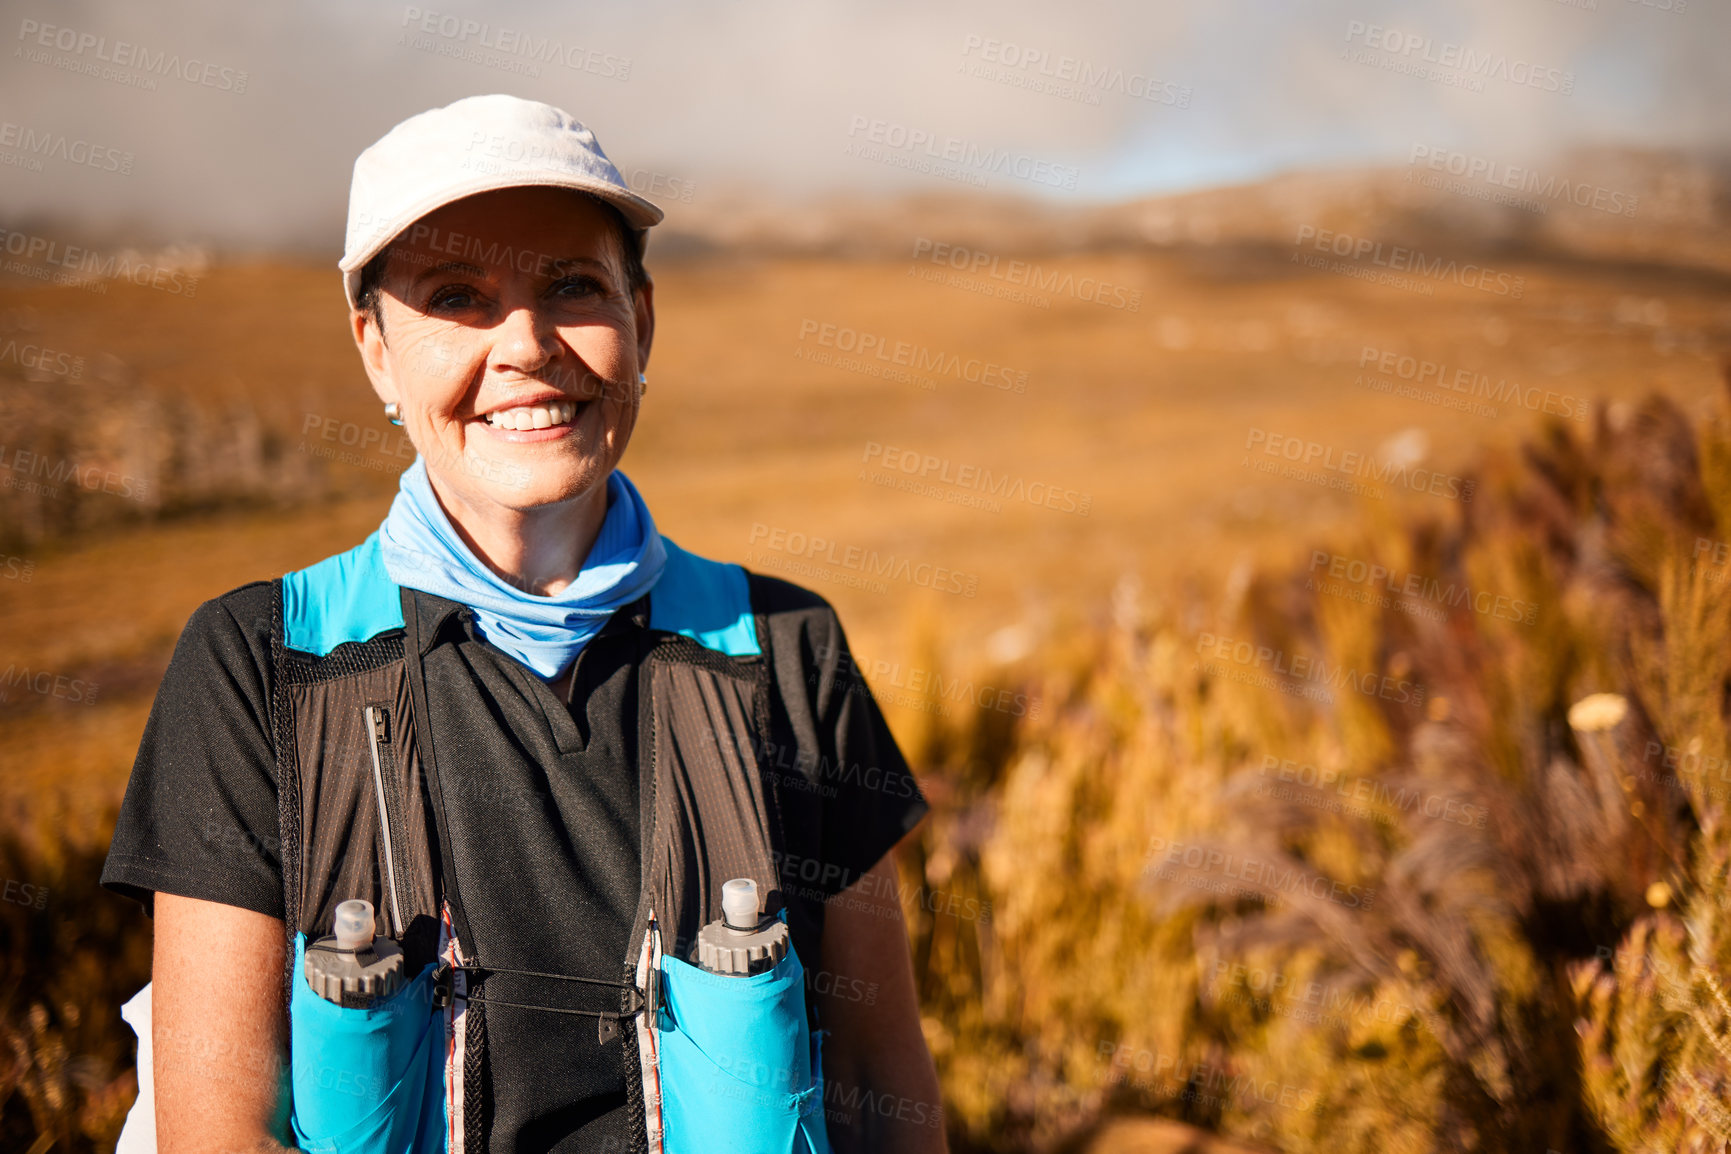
x,y
1457,1003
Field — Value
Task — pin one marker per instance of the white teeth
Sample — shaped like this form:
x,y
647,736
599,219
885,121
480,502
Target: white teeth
x,y
534,416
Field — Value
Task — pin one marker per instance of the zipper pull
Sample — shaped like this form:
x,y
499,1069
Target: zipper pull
x,y
378,732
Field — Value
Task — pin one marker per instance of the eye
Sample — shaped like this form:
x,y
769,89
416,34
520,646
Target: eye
x,y
451,297
578,286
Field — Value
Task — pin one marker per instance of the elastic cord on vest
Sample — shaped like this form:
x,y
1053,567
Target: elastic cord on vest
x,y
446,972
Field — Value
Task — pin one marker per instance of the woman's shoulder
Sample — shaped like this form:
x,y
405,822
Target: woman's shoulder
x,y
724,605
226,644
799,620
244,611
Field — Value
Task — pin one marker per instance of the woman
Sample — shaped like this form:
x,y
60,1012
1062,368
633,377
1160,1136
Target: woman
x,y
533,732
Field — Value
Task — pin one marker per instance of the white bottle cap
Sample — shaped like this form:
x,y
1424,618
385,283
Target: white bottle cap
x,y
354,926
739,904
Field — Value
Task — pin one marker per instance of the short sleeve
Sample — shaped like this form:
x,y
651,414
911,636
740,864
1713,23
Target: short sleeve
x,y
870,798
200,815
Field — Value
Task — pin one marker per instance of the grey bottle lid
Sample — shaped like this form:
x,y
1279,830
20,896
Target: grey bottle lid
x,y
352,967
741,942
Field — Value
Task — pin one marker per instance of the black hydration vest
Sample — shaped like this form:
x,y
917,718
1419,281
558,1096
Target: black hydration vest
x,y
376,683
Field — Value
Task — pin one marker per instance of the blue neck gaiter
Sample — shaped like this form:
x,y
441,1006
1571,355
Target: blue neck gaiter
x,y
422,550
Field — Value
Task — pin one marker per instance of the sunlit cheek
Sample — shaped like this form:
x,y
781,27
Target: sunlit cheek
x,y
437,368
601,350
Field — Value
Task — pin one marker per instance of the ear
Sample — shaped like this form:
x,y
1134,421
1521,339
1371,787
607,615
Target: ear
x,y
371,343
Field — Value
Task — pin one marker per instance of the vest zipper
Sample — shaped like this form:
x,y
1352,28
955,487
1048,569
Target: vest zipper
x,y
378,731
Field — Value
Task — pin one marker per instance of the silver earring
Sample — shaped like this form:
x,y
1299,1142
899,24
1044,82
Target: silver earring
x,y
393,413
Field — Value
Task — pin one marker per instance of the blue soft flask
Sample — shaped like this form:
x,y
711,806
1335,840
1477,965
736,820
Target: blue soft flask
x,y
368,1054
739,1071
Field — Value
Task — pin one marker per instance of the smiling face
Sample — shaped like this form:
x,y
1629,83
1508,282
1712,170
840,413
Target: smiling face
x,y
512,343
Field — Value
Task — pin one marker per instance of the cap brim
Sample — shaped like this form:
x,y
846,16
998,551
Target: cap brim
x,y
639,213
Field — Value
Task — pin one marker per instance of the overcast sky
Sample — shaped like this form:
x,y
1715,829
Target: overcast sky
x,y
734,93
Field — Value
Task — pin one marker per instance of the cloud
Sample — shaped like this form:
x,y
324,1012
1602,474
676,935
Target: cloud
x,y
763,94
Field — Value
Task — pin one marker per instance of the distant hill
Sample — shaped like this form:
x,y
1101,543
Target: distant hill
x,y
1600,204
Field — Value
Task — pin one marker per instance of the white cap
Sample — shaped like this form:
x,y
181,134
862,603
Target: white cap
x,y
477,144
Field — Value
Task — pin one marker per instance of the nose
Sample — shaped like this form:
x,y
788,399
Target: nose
x,y
524,340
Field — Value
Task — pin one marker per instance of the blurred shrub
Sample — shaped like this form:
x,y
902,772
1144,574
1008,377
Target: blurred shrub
x,y
1418,846
71,955
1323,859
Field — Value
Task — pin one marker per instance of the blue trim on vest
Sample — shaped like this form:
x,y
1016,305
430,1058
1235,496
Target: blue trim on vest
x,y
348,597
707,601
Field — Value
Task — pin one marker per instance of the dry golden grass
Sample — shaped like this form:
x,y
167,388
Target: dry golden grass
x,y
1147,413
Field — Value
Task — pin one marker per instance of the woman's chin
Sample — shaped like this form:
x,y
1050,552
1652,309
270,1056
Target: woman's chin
x,y
523,485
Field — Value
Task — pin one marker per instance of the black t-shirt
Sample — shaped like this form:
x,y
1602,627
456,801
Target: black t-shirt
x,y
200,820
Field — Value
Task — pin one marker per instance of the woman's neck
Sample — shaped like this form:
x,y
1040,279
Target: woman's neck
x,y
541,550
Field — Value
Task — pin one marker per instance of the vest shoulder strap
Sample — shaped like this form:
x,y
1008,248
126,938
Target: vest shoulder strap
x,y
707,601
348,597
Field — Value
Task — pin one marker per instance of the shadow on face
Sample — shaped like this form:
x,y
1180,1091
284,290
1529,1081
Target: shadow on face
x,y
509,335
